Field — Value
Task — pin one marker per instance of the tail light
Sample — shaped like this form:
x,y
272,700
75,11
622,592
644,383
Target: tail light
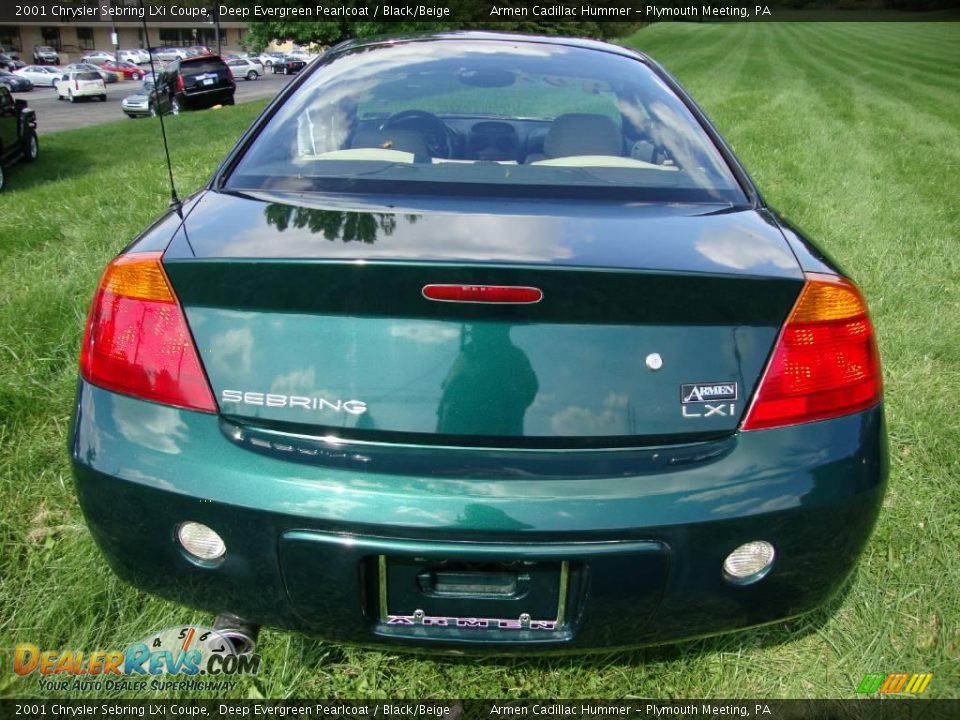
x,y
179,83
825,362
76,84
137,341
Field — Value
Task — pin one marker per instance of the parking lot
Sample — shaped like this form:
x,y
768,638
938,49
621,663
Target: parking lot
x,y
54,115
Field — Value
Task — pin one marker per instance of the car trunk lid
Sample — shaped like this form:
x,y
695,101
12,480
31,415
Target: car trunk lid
x,y
654,325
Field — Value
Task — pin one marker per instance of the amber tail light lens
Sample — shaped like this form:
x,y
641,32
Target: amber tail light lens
x,y
137,341
825,362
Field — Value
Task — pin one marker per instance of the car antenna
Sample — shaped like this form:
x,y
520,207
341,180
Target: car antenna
x,y
174,198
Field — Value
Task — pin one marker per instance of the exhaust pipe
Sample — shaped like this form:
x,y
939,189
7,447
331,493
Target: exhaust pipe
x,y
241,633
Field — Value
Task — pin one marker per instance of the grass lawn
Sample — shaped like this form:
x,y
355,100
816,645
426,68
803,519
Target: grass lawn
x,y
853,131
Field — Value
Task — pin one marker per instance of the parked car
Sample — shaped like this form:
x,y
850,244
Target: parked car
x,y
106,75
77,84
40,74
289,65
245,68
14,82
144,102
537,376
196,83
267,59
18,132
169,54
98,57
137,56
45,54
126,70
10,63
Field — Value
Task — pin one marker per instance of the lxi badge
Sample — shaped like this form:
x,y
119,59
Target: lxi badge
x,y
712,399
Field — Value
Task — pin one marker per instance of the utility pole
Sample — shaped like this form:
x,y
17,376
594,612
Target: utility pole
x,y
216,23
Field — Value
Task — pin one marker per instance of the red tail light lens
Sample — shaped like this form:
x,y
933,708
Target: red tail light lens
x,y
509,294
825,362
180,83
137,341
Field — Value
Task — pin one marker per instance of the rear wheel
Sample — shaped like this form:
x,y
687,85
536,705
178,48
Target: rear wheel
x,y
31,147
70,96
136,76
103,98
252,75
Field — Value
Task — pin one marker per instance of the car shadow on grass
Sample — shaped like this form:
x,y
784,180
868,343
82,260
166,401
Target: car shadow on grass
x,y
67,163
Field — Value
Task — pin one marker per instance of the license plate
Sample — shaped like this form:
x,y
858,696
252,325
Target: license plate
x,y
207,81
458,596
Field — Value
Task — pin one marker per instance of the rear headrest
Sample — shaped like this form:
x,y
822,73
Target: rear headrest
x,y
582,134
404,140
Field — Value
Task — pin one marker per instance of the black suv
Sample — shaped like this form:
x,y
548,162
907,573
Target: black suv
x,y
18,132
195,83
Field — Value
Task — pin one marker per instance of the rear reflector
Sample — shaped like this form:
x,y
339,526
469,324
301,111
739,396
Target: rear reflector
x,y
137,341
825,363
507,294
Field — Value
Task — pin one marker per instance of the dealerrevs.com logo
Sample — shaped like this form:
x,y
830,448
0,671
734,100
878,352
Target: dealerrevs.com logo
x,y
180,658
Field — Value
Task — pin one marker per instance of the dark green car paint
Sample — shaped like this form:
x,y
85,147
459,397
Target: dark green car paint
x,y
302,535
588,463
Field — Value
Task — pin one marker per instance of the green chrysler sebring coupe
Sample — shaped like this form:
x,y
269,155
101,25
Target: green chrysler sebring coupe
x,y
487,342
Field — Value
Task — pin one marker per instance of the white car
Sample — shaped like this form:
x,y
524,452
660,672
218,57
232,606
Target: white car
x,y
245,68
40,74
98,56
169,54
267,59
135,56
74,85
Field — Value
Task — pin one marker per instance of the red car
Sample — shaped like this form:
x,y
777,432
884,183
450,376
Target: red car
x,y
128,70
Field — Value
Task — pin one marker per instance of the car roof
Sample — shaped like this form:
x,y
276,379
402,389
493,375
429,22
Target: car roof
x,y
477,35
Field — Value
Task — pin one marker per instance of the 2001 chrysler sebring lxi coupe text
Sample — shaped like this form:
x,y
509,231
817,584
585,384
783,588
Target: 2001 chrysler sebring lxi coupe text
x,y
481,341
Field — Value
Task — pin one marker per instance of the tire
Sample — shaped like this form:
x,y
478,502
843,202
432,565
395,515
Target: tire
x,y
103,98
31,149
70,96
252,75
175,107
153,111
137,77
230,101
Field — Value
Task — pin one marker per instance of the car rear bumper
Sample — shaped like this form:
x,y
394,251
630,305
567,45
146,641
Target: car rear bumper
x,y
309,544
206,98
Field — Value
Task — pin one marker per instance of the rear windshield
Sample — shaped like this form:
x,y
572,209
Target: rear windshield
x,y
87,76
514,117
195,67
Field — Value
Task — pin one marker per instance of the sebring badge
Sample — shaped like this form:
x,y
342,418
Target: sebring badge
x,y
275,400
703,400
